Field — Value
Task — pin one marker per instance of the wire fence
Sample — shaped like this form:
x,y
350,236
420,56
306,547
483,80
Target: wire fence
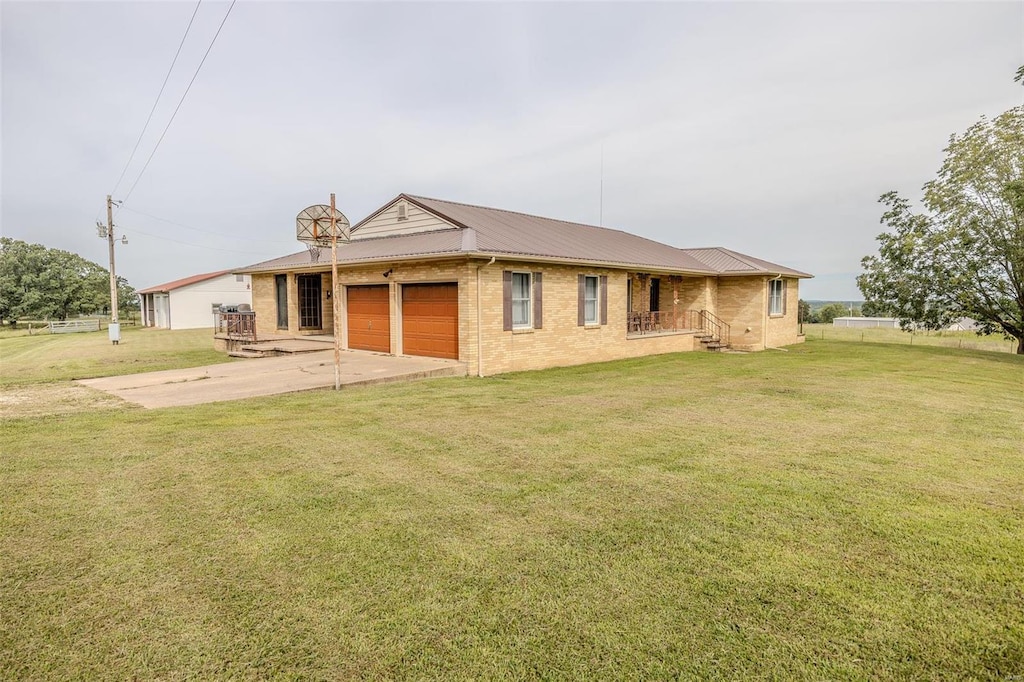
x,y
43,326
946,339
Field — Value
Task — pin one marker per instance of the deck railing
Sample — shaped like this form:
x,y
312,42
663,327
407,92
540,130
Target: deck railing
x,y
236,326
718,328
710,325
661,321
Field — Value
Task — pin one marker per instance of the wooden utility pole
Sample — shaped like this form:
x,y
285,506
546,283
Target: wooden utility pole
x,y
113,274
334,297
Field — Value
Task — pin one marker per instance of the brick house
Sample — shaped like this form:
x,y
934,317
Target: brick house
x,y
503,291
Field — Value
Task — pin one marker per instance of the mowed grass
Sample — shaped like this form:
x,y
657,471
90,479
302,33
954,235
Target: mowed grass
x,y
26,360
838,511
947,339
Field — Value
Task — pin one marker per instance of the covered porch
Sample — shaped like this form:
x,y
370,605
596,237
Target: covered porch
x,y
662,304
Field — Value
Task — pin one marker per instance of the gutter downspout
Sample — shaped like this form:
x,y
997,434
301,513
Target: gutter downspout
x,y
479,332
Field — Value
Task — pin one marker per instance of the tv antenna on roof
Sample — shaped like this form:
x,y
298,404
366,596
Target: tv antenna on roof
x,y
317,226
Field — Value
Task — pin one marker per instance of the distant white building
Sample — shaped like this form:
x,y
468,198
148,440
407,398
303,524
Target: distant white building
x,y
865,322
190,303
964,324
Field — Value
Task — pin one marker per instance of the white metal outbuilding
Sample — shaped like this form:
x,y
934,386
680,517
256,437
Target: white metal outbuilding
x,y
866,322
189,303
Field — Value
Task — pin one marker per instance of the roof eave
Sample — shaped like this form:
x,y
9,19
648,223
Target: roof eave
x,y
446,255
767,273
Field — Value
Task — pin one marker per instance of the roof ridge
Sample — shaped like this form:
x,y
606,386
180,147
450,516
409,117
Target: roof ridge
x,y
528,215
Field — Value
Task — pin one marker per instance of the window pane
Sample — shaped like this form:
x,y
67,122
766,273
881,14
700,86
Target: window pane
x,y
521,299
521,313
520,285
775,297
590,300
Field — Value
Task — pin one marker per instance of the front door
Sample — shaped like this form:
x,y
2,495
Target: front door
x,y
655,294
310,302
281,285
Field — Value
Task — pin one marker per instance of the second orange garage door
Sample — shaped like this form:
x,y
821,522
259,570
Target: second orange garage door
x,y
430,320
369,319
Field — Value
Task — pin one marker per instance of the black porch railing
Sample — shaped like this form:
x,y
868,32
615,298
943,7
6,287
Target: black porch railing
x,y
661,321
237,326
710,325
718,328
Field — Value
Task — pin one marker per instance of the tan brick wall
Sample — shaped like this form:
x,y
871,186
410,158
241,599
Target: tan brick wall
x,y
742,303
783,330
692,293
560,341
264,302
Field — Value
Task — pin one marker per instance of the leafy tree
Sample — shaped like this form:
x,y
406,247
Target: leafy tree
x,y
874,309
964,257
50,283
803,311
832,311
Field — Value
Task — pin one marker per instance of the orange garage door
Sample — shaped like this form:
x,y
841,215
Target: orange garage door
x,y
430,320
369,322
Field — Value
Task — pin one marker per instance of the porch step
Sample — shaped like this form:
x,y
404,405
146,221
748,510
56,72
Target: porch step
x,y
264,349
246,354
712,342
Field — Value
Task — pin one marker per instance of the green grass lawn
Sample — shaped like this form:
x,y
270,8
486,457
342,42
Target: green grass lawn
x,y
27,360
838,511
947,339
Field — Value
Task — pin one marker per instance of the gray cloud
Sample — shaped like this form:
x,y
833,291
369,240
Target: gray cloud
x,y
768,128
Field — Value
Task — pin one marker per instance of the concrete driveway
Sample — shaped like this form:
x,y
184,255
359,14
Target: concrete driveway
x,y
268,376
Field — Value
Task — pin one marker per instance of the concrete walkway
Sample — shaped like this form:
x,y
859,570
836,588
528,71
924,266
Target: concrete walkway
x,y
268,376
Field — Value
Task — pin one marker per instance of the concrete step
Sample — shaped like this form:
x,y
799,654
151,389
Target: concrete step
x,y
287,347
246,354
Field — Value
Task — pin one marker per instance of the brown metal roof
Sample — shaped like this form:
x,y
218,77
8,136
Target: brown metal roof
x,y
508,232
368,250
729,262
184,282
495,232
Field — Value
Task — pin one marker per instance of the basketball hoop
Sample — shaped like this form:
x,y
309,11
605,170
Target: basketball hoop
x,y
314,252
313,225
317,226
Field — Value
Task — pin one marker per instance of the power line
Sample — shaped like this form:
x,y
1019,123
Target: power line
x,y
199,229
159,94
198,246
226,15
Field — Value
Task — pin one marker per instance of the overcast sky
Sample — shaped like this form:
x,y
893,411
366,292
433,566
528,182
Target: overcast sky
x,y
769,128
